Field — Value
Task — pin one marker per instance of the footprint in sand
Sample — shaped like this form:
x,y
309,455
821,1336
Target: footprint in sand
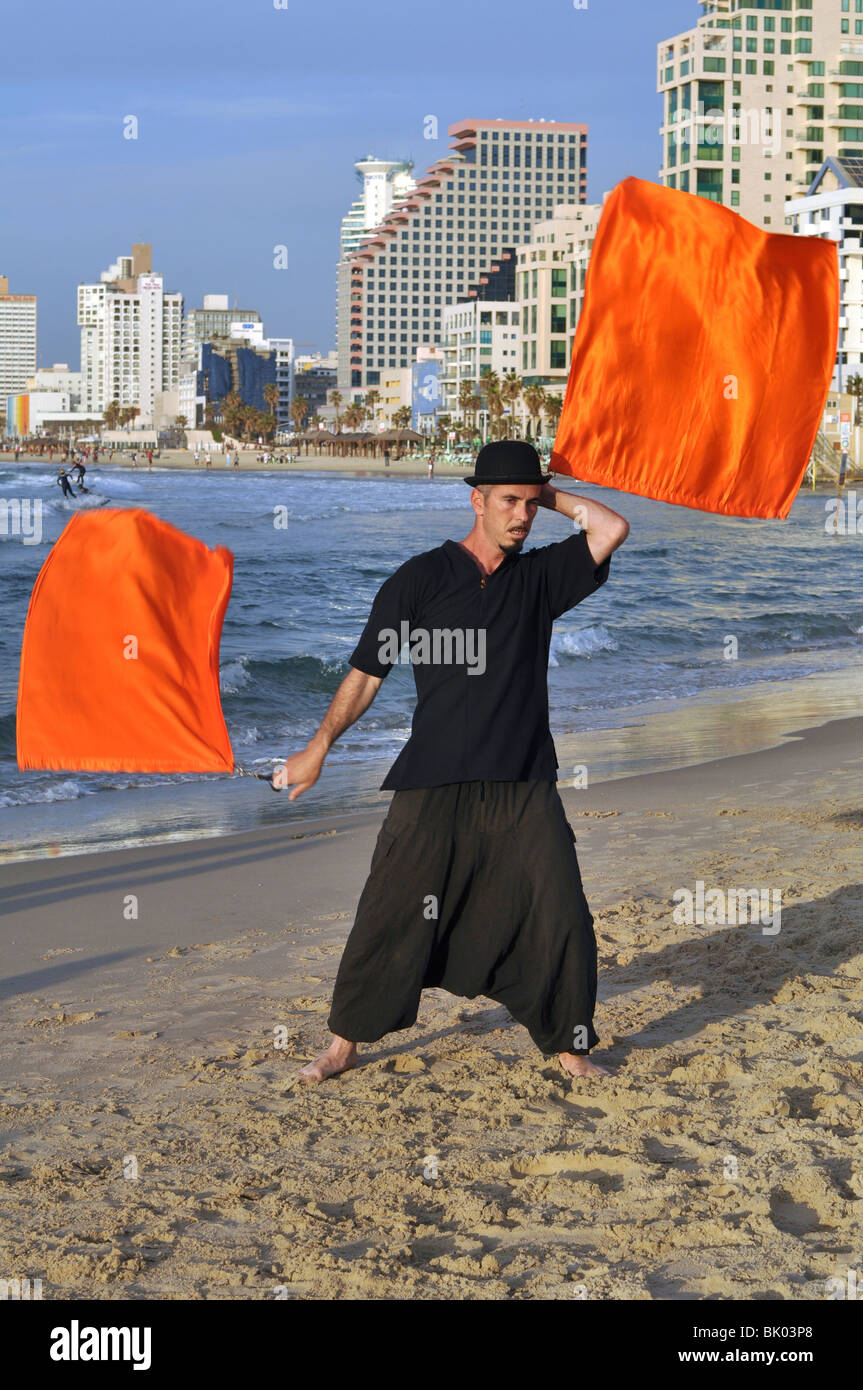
x,y
578,1167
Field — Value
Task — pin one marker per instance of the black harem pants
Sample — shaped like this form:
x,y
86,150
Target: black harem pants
x,y
474,888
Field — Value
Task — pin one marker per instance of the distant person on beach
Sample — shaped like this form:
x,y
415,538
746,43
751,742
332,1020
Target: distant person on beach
x,y
63,482
474,884
386,458
431,464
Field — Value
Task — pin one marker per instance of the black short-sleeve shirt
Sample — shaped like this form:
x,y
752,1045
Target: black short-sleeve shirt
x,y
479,649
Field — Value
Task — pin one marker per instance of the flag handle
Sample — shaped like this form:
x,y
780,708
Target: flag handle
x,y
267,777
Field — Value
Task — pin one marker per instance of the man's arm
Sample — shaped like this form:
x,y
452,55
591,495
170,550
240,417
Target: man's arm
x,y
349,703
605,529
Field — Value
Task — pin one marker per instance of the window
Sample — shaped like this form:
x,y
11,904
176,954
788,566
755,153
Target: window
x,y
558,354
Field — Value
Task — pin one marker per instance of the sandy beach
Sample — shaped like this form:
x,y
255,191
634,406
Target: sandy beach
x,y
156,1145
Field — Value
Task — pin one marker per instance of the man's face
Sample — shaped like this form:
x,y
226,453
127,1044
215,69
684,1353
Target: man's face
x,y
506,514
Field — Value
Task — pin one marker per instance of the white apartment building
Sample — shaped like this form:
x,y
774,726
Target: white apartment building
x,y
833,208
757,96
17,339
284,353
131,332
498,180
384,181
551,270
58,378
479,336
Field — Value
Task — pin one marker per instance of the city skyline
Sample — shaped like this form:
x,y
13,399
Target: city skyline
x,y
227,165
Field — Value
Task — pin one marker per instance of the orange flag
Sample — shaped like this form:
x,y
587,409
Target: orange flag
x,y
702,358
120,660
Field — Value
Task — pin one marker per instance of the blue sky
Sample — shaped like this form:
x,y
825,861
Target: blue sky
x,y
250,119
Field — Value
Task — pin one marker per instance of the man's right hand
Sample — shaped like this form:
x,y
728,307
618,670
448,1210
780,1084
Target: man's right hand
x,y
300,771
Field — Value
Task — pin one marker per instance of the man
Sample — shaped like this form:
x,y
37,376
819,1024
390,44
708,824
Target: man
x,y
63,482
474,884
81,470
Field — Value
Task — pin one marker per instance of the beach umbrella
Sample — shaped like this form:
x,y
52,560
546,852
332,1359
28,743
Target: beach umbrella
x,y
120,656
703,355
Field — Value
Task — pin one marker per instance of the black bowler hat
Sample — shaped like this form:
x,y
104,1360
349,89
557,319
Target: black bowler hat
x,y
508,461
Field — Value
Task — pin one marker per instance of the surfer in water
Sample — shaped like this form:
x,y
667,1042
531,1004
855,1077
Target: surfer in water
x,y
79,481
474,884
63,482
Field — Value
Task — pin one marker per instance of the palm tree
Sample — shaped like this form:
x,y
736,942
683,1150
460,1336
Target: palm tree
x,y
299,410
271,396
534,402
250,421
510,390
354,416
111,415
336,399
232,412
181,422
465,396
372,400
490,383
402,417
553,408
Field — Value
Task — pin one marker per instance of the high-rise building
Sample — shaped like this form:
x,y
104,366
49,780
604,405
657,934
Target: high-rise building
x,y
384,181
550,277
131,330
17,339
479,336
499,178
214,320
833,209
756,96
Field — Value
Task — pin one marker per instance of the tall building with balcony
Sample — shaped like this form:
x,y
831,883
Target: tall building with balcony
x,y
131,329
497,181
481,334
833,209
384,181
757,96
551,271
17,339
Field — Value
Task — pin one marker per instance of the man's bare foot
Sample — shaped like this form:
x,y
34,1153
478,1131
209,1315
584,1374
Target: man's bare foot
x,y
340,1056
576,1064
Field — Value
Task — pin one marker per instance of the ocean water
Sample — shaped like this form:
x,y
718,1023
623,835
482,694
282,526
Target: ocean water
x,y
654,638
